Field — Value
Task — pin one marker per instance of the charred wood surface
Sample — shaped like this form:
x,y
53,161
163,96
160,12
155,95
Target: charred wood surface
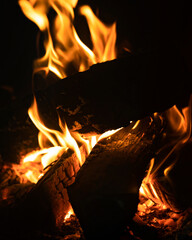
x,y
45,206
110,94
105,193
107,96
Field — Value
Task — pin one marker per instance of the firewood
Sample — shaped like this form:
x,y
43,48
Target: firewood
x,y
8,177
107,96
46,205
12,194
105,193
110,94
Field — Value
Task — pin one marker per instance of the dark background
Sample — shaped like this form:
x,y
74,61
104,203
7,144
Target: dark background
x,y
141,26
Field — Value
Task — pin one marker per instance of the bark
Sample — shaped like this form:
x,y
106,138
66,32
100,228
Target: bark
x,y
105,193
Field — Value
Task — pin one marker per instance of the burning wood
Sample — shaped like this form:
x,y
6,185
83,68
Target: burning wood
x,y
47,204
105,193
84,111
92,100
112,175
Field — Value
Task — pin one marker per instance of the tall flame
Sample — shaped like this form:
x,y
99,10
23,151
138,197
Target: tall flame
x,y
63,47
62,43
179,132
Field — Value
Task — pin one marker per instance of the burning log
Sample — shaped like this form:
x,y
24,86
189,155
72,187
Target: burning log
x,y
105,193
46,205
110,94
109,180
107,96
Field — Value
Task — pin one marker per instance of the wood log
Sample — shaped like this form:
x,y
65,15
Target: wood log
x,y
45,206
105,193
11,188
110,94
107,96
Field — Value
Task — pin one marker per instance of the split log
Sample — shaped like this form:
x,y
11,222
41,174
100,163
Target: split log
x,y
105,193
45,206
107,96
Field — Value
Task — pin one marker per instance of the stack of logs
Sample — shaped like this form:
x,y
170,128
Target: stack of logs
x,y
104,192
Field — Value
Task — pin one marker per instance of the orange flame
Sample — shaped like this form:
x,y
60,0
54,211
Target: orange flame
x,y
179,133
62,46
62,43
68,215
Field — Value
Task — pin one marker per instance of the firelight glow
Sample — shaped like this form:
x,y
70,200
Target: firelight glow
x,y
180,130
63,46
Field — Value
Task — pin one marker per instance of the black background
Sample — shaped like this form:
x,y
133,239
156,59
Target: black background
x,y
141,26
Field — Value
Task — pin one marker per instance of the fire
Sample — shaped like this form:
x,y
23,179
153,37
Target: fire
x,y
68,215
179,133
63,47
62,43
103,37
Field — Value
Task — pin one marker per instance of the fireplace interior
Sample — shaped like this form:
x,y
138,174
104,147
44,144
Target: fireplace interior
x,y
96,120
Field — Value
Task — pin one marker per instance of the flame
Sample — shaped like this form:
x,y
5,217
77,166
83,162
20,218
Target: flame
x,y
179,123
103,37
68,215
62,43
63,47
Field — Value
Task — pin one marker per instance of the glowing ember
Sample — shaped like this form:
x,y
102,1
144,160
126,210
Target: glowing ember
x,y
63,47
68,215
179,133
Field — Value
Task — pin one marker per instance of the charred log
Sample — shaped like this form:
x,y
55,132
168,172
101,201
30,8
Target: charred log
x,y
106,96
110,94
105,193
46,205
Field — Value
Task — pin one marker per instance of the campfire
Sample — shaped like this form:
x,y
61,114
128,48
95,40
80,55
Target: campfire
x,y
113,156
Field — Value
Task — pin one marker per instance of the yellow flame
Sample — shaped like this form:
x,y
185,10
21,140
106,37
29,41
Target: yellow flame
x,y
103,37
150,169
109,133
48,133
35,12
63,46
62,43
68,215
179,132
31,177
136,124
